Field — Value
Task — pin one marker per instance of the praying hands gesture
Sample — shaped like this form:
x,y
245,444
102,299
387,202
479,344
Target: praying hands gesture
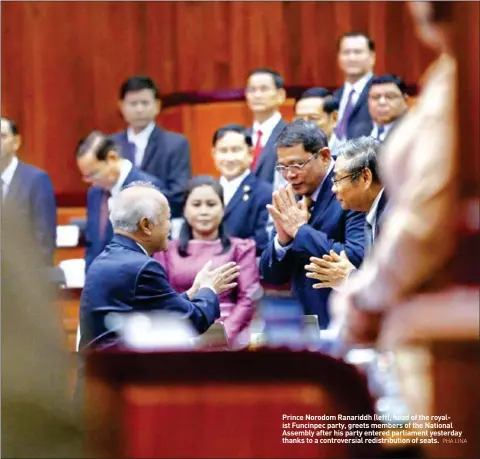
x,y
288,215
331,270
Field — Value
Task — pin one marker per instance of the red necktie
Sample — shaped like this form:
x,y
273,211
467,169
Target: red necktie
x,y
104,214
257,149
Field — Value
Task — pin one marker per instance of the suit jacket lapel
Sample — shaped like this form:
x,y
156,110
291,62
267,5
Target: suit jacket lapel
x,y
324,198
150,151
248,181
14,188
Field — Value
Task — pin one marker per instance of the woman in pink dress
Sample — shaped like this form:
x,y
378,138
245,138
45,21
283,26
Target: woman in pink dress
x,y
203,238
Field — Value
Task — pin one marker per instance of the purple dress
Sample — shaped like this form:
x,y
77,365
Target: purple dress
x,y
236,306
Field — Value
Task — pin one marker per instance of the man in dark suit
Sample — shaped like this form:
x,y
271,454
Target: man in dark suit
x,y
356,58
125,278
102,166
387,103
163,154
245,195
313,226
29,191
357,186
265,93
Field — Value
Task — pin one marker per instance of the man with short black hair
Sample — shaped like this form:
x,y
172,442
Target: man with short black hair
x,y
28,190
161,153
265,93
102,166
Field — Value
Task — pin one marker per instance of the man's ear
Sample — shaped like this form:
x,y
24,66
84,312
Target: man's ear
x,y
18,142
158,103
282,96
144,226
334,116
325,155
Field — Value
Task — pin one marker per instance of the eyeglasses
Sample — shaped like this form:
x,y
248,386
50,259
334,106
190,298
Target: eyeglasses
x,y
335,181
294,168
388,96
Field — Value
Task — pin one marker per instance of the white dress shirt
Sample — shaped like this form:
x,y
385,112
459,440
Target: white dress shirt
x,y
372,213
140,140
266,127
125,168
7,175
230,187
358,87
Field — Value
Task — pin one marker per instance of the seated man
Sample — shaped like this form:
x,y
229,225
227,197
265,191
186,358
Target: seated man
x,y
361,190
125,278
313,227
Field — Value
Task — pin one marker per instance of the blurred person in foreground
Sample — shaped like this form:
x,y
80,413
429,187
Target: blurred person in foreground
x,y
417,242
204,237
245,196
37,417
308,219
28,191
125,278
357,186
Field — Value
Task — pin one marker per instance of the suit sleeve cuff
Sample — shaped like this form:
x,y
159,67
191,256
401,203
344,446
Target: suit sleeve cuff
x,y
280,251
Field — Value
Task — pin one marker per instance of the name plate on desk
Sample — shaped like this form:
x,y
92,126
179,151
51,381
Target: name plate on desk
x,y
67,235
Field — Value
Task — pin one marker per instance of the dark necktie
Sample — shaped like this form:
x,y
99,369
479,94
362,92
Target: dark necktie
x,y
380,131
104,213
130,153
368,235
341,129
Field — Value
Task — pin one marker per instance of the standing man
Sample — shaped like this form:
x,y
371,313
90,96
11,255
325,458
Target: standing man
x,y
102,166
265,93
387,103
29,191
356,58
163,154
313,226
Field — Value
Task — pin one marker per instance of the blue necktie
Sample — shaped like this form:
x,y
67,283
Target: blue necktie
x,y
380,131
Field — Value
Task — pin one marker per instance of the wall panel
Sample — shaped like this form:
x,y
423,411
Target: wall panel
x,y
63,62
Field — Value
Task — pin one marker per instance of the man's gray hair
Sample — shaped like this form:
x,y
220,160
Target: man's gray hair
x,y
361,153
127,210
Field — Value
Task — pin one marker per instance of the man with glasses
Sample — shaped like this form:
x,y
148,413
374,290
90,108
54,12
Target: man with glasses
x,y
357,186
102,166
311,226
387,103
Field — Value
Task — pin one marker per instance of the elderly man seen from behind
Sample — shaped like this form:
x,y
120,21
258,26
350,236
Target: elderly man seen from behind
x,y
125,278
357,186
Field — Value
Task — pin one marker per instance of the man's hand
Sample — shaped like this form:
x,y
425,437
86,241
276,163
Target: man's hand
x,y
287,213
219,279
331,270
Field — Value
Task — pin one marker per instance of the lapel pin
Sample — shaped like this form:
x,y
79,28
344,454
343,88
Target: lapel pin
x,y
246,188
245,197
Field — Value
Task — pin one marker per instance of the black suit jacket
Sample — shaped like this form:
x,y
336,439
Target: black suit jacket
x,y
265,167
31,195
360,122
166,157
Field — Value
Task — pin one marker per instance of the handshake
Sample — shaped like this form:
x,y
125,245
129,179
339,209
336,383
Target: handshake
x,y
219,279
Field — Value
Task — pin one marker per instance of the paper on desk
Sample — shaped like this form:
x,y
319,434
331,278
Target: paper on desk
x,y
74,271
67,235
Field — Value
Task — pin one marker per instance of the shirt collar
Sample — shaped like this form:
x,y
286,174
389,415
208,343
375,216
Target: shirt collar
x,y
125,168
373,209
386,127
359,85
315,194
268,125
234,183
8,173
142,136
143,250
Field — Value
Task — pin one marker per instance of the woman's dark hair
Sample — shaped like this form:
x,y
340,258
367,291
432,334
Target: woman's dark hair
x,y
186,233
238,128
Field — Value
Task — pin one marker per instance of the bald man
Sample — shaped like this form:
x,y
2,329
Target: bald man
x,y
124,277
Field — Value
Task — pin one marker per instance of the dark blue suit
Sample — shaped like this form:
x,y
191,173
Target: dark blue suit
x,y
166,157
94,243
265,167
246,215
124,279
381,207
32,197
360,122
329,227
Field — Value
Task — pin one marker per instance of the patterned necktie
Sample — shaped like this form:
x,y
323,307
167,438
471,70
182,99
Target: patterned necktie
x,y
309,201
104,213
341,129
258,149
